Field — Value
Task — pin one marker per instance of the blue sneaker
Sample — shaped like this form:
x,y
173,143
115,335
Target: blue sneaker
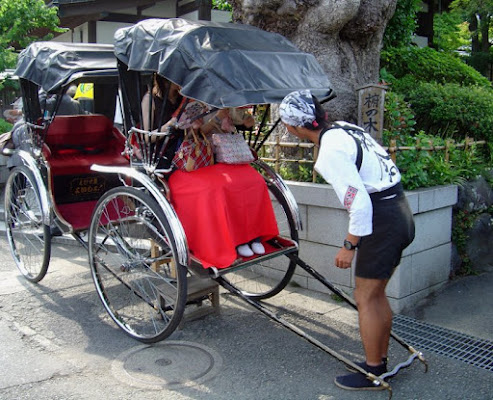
x,y
358,381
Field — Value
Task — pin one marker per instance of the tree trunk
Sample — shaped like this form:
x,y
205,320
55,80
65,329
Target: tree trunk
x,y
485,38
344,35
473,28
480,42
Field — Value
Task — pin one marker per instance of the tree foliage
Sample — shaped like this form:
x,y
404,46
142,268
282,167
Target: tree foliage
x,y
429,65
21,23
479,15
447,96
452,110
221,5
401,27
451,32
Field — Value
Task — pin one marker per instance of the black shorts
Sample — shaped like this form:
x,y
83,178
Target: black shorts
x,y
393,230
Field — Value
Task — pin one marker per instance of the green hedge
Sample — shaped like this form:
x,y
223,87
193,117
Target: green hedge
x,y
428,65
424,168
453,110
5,126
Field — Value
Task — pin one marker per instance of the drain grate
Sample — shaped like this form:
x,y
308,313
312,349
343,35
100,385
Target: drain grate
x,y
423,336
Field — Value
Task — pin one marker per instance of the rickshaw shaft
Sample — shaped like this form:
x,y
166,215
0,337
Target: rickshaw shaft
x,y
350,301
377,381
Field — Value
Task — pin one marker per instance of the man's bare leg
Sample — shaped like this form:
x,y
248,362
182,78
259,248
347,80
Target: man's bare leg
x,y
375,318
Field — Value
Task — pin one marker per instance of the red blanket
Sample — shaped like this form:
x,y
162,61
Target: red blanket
x,y
221,207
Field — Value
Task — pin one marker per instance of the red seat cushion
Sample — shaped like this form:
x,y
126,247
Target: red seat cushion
x,y
72,164
76,142
72,145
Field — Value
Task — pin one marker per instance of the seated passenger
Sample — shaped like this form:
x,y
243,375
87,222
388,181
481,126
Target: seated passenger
x,y
68,105
156,110
242,118
225,121
223,208
157,114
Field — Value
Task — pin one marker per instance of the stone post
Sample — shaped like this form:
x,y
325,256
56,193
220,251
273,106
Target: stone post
x,y
371,109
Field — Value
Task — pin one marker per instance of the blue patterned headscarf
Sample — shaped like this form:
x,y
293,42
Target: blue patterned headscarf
x,y
298,109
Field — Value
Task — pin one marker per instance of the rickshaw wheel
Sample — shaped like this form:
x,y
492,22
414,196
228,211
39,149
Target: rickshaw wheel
x,y
264,280
134,266
29,238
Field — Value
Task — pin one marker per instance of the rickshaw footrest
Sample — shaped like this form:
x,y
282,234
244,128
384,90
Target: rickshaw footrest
x,y
198,290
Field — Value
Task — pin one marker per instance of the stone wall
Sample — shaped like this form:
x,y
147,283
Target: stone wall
x,y
475,201
425,265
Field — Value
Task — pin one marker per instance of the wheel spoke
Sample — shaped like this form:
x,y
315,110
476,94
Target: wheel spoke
x,y
130,256
266,279
29,238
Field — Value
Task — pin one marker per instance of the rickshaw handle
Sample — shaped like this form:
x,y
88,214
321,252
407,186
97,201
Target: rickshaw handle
x,y
350,301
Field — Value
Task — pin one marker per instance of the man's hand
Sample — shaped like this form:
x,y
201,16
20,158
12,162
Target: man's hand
x,y
344,258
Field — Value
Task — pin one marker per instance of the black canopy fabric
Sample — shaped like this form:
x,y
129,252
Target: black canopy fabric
x,y
51,65
221,64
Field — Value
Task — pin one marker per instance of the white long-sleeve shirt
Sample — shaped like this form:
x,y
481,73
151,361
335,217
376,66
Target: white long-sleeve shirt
x,y
337,164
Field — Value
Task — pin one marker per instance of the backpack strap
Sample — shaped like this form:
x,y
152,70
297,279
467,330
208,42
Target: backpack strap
x,y
359,149
359,155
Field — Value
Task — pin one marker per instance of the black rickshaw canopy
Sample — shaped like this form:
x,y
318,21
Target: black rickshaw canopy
x,y
221,64
52,65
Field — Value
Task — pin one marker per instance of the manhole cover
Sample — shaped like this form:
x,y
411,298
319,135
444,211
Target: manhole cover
x,y
168,364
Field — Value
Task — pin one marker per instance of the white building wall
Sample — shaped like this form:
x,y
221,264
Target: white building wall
x,y
76,35
105,31
64,37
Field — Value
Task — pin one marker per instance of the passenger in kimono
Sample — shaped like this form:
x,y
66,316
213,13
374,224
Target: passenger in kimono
x,y
225,209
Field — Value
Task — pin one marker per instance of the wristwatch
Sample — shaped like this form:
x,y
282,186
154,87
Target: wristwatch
x,y
349,246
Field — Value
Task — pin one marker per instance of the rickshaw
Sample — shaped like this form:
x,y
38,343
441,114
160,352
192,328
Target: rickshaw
x,y
139,255
52,187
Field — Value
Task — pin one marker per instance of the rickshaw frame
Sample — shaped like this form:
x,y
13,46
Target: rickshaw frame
x,y
142,180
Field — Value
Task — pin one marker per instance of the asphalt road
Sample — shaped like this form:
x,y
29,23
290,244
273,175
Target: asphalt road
x,y
57,342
